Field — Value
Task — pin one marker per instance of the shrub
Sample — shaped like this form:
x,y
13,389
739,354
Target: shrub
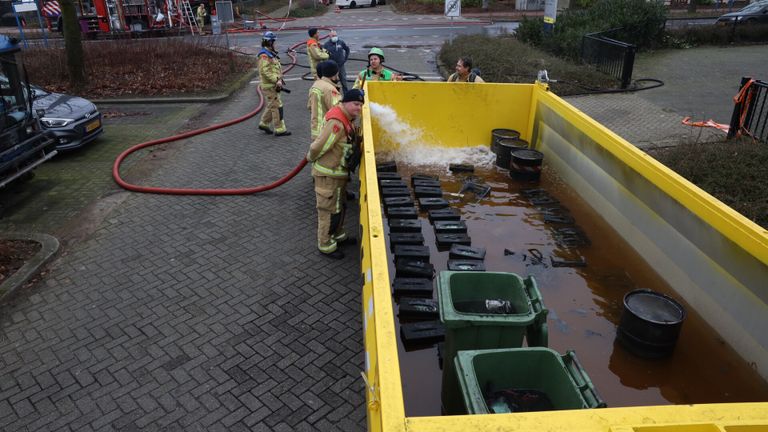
x,y
505,59
714,35
640,22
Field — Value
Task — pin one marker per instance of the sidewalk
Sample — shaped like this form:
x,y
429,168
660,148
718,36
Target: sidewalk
x,y
195,313
699,83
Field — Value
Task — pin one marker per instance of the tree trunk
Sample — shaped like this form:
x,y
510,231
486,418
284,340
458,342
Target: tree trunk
x,y
73,45
485,4
692,6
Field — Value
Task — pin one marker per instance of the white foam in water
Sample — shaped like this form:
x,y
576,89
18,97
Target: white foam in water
x,y
414,147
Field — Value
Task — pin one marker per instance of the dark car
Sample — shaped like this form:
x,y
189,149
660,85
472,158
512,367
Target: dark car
x,y
752,14
75,121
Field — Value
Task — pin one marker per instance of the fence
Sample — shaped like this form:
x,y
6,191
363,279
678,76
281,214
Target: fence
x,y
610,56
750,114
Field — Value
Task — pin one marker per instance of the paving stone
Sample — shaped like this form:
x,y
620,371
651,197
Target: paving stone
x,y
170,314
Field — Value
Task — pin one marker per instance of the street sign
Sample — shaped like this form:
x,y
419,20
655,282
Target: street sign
x,y
453,8
25,7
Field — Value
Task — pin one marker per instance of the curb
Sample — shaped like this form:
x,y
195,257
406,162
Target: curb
x,y
49,246
234,87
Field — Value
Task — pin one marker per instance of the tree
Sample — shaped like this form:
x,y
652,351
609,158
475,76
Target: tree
x,y
73,45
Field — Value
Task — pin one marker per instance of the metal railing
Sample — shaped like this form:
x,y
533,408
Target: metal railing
x,y
610,56
750,113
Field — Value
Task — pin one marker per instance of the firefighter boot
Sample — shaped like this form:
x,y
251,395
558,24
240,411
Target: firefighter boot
x,y
265,128
281,129
330,250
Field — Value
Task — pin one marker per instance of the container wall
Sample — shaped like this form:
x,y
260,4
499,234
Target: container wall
x,y
712,256
455,116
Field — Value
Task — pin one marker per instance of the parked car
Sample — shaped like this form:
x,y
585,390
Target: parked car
x,y
75,121
752,14
351,4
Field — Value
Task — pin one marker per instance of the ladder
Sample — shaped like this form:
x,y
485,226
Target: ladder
x,y
188,16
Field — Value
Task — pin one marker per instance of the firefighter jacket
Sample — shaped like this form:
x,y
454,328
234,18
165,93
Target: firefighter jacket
x,y
471,77
323,95
369,74
316,54
270,71
329,151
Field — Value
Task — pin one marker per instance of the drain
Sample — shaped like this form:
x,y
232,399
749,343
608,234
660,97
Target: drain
x,y
395,192
449,227
404,225
426,183
401,201
418,308
447,214
421,287
416,252
427,192
465,265
414,268
448,240
432,203
466,252
402,213
388,176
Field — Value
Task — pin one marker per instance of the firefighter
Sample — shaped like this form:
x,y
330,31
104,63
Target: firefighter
x,y
329,154
271,83
323,95
464,72
201,14
315,52
375,70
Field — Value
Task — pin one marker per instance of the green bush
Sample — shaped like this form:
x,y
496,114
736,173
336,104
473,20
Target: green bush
x,y
639,22
714,35
506,59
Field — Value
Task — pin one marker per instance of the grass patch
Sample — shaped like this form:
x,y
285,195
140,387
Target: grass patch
x,y
247,9
307,8
505,59
140,67
734,172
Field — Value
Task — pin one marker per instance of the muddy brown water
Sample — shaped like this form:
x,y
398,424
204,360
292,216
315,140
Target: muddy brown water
x,y
585,304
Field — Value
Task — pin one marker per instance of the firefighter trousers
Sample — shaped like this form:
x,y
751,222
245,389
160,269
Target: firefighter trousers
x,y
273,110
330,193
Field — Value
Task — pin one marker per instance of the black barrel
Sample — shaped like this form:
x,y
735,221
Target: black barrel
x,y
498,134
504,149
650,324
525,164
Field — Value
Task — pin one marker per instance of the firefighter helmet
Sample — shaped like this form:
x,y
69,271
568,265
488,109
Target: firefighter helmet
x,y
378,52
268,36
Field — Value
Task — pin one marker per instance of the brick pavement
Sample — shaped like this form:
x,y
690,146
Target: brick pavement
x,y
195,313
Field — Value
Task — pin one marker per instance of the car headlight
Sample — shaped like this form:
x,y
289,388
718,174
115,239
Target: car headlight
x,y
55,122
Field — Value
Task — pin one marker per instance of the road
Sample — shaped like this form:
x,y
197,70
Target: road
x,y
409,36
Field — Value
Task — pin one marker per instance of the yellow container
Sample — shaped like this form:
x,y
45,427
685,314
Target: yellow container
x,y
715,258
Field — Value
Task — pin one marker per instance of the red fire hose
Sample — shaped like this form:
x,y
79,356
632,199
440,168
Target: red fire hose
x,y
185,191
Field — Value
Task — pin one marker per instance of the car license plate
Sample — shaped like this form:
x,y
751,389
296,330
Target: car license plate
x,y
92,125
